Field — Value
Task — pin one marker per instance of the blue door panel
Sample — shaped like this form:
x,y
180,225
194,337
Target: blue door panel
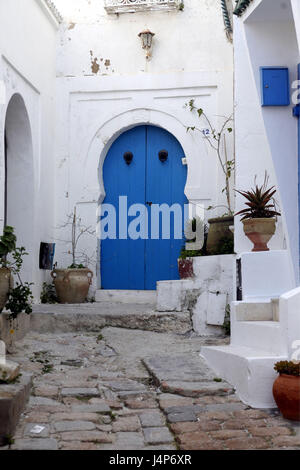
x,y
165,183
139,264
122,261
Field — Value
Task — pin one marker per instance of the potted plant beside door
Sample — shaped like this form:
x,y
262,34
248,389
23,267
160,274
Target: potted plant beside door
x,y
73,283
259,217
195,236
219,227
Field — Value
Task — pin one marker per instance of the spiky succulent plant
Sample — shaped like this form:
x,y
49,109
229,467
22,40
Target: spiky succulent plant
x,y
260,202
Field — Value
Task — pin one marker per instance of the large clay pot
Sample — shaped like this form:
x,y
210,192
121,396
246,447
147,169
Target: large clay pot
x,y
260,232
286,392
5,284
72,285
185,268
218,228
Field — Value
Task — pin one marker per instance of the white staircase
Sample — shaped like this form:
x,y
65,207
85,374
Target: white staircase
x,y
265,327
262,335
257,343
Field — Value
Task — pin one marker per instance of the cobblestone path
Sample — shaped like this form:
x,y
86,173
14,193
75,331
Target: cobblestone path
x,y
130,389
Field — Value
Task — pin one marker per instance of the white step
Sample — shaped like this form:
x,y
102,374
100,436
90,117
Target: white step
x,y
257,311
262,335
127,296
250,371
253,311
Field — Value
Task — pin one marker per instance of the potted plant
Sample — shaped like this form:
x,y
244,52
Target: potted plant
x,y
72,284
7,246
219,227
195,235
286,389
259,217
19,302
16,300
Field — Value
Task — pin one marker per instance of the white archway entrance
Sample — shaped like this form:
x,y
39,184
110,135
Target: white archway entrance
x,y
19,180
92,191
93,186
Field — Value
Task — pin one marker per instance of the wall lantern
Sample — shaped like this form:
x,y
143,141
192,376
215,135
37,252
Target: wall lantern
x,y
147,39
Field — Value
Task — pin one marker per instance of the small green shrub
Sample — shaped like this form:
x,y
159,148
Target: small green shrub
x,y
7,244
8,441
225,246
20,300
48,295
47,369
288,368
189,253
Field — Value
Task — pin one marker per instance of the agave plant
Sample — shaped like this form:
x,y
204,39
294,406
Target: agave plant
x,y
260,202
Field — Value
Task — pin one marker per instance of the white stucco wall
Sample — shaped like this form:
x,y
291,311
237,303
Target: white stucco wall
x,y
296,12
266,138
192,58
27,67
206,295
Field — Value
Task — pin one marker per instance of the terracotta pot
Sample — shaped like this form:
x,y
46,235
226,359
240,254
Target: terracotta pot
x,y
260,232
6,282
218,228
72,285
185,268
286,392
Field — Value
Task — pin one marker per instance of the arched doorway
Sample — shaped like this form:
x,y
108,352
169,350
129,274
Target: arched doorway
x,y
144,178
19,178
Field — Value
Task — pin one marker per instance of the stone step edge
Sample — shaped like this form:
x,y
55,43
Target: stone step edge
x,y
12,404
166,386
174,322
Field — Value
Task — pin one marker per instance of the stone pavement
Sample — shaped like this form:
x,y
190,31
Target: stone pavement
x,y
92,316
130,389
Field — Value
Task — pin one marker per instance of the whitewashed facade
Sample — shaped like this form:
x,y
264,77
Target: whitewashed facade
x,y
28,32
74,76
105,86
266,323
267,34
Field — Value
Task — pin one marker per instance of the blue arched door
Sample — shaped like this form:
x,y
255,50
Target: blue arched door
x,y
144,178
